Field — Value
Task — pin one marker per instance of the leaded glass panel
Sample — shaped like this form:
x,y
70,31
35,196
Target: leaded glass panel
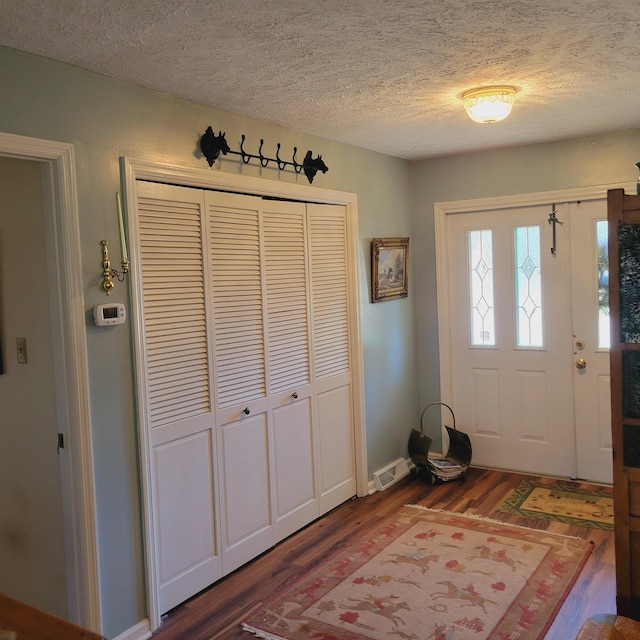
x,y
631,445
629,247
528,286
481,288
631,384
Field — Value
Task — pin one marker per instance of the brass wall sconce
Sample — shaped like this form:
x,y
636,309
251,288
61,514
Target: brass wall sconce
x,y
108,274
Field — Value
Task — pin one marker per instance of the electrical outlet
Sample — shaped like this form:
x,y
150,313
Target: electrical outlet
x,y
21,345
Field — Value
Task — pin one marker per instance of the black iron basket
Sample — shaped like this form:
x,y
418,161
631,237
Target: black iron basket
x,y
450,466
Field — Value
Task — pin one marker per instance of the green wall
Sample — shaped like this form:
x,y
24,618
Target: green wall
x,y
106,119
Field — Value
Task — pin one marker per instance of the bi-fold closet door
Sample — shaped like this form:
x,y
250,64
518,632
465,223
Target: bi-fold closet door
x,y
247,399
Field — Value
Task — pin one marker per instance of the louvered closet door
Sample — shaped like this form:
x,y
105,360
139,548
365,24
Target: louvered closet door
x,y
331,355
245,387
289,370
176,403
240,374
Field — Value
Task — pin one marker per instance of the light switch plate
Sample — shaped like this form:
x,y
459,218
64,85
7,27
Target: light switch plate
x,y
21,346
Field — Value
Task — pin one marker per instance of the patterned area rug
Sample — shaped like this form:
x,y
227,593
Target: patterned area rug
x,y
427,574
563,504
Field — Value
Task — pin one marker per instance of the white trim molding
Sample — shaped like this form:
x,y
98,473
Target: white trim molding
x,y
70,352
140,631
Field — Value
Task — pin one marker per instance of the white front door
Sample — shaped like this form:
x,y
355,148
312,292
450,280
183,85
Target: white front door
x,y
523,315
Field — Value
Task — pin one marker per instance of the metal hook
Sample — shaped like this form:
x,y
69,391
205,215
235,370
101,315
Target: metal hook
x,y
245,156
553,220
297,167
281,163
263,161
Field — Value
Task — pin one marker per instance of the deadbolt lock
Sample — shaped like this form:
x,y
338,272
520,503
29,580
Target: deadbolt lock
x,y
580,345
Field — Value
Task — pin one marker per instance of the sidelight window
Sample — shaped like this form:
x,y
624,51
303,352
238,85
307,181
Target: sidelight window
x,y
602,258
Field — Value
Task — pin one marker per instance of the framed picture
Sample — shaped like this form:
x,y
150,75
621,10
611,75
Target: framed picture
x,y
389,268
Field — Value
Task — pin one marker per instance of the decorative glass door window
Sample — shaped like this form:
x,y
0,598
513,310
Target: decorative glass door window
x,y
481,287
528,287
602,233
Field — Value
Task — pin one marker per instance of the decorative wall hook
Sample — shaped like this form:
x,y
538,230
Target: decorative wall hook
x,y
213,145
553,220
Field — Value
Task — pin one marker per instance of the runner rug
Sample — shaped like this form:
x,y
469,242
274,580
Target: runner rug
x,y
431,574
589,508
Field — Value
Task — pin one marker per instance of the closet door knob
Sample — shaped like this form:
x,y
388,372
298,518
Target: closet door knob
x,y
294,395
246,411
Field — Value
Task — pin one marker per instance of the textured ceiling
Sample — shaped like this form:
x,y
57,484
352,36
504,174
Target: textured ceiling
x,y
381,74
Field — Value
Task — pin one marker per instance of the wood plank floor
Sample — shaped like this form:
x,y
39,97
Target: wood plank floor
x,y
216,613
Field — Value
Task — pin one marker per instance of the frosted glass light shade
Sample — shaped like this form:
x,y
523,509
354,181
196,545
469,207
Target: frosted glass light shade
x,y
489,104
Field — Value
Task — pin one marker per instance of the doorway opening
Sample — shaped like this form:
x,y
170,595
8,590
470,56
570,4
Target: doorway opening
x,y
69,352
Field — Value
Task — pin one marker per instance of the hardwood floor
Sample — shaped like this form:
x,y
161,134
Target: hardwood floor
x,y
216,613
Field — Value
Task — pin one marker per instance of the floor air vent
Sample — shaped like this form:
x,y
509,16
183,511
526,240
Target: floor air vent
x,y
393,472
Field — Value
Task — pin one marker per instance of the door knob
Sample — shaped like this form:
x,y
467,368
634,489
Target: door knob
x,y
581,363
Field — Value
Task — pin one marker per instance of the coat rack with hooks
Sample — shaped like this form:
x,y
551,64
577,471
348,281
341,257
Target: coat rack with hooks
x,y
213,145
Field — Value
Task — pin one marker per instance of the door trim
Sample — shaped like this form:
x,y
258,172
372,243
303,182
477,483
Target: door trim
x,y
442,209
70,352
135,169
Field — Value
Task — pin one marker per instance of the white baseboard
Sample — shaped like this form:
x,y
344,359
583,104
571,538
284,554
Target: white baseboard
x,y
140,631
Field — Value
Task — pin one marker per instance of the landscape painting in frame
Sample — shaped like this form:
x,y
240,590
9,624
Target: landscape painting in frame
x,y
389,268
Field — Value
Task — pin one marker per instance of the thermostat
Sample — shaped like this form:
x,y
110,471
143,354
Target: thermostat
x,y
105,315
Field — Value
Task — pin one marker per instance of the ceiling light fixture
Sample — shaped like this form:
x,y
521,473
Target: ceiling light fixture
x,y
489,104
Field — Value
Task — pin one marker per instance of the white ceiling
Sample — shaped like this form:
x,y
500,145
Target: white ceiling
x,y
385,75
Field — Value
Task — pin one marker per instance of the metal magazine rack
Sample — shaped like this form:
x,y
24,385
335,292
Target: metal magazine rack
x,y
445,467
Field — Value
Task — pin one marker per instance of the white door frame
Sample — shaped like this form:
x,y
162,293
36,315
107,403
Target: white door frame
x,y
135,169
72,385
443,209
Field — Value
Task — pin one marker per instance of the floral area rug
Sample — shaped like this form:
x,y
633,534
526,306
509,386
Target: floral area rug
x,y
563,504
425,575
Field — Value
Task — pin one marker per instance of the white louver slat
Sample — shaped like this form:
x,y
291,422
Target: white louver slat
x,y
234,235
328,249
286,295
174,310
